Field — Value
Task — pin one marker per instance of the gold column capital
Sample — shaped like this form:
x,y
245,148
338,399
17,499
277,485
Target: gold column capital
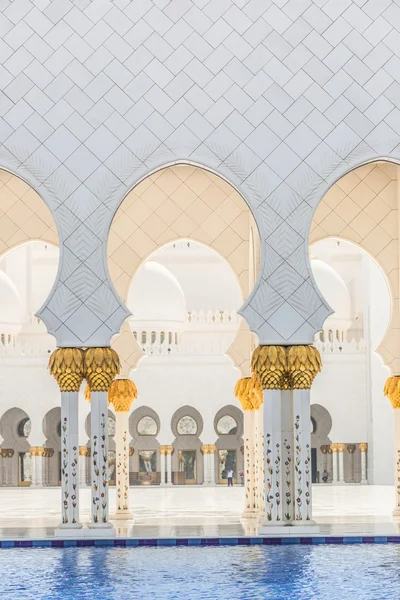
x,y
392,390
48,452
121,394
334,447
83,451
326,449
6,452
101,365
36,450
248,391
67,367
286,367
165,449
351,448
363,447
270,365
208,448
341,447
131,451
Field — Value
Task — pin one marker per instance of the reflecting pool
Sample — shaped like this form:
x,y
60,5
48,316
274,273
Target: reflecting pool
x,y
365,572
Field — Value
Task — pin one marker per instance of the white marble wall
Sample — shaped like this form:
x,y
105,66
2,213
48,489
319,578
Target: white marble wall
x,y
280,97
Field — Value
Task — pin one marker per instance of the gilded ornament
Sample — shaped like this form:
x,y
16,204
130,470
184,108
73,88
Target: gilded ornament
x,y
351,448
36,451
208,448
363,447
303,363
67,367
243,393
121,394
83,451
256,392
341,447
101,365
270,365
334,447
166,449
392,390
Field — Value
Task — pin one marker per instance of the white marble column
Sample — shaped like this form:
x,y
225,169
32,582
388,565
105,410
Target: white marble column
x,y
83,465
162,466
396,415
99,463
274,509
259,447
208,451
37,458
334,463
364,473
250,483
122,465
341,448
69,462
169,451
302,457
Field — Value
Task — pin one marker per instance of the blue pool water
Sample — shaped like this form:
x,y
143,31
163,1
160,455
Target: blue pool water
x,y
359,572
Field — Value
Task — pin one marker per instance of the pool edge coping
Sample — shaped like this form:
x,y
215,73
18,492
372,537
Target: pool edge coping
x,y
199,542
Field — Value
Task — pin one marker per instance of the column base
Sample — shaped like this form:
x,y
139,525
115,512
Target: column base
x,y
122,515
290,530
364,482
250,514
69,530
101,530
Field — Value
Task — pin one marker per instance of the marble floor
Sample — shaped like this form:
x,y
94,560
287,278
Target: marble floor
x,y
198,511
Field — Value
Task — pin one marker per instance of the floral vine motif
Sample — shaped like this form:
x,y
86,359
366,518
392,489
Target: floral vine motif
x,y
277,481
65,471
104,467
74,497
122,468
298,471
398,478
248,474
288,481
96,472
307,464
268,478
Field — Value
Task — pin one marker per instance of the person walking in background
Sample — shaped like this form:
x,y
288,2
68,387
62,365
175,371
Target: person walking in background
x,y
230,478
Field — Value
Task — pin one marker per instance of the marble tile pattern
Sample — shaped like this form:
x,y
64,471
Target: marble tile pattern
x,y
198,512
280,97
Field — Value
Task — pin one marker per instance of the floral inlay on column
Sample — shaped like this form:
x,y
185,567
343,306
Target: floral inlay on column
x,y
67,367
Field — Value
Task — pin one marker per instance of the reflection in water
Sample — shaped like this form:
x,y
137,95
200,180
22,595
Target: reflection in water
x,y
290,572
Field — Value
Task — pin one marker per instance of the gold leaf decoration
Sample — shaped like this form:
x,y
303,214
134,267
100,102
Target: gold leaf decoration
x,y
101,365
286,368
304,363
270,365
122,393
392,391
243,392
67,367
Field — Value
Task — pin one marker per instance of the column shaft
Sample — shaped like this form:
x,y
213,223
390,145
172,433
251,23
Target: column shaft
x,y
122,463
272,463
250,483
396,415
302,455
364,475
259,446
69,460
169,468
99,459
162,469
341,466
